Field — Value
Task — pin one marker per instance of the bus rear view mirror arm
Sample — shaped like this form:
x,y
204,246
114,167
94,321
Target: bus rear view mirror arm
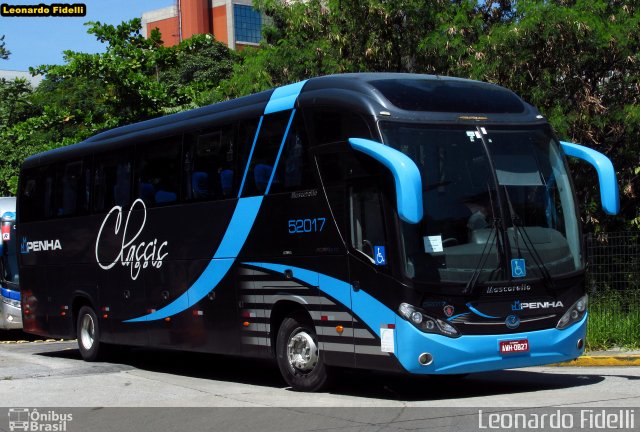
x,y
406,176
609,194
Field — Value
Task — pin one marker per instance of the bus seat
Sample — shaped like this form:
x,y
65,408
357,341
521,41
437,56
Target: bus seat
x,y
146,191
226,180
200,184
163,197
262,173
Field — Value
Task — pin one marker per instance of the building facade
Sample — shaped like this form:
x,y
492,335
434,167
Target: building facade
x,y
233,22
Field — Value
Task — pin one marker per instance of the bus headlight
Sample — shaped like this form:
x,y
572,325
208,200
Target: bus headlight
x,y
426,323
574,314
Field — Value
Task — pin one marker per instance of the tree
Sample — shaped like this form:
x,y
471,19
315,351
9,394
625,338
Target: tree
x,y
4,52
128,71
200,63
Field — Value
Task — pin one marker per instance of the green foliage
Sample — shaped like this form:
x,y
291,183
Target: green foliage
x,y
4,52
134,79
198,66
15,105
614,321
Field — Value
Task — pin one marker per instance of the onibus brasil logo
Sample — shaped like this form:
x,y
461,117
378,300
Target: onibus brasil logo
x,y
31,420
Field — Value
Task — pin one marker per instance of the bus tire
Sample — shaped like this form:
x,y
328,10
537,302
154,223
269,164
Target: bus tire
x,y
298,354
88,334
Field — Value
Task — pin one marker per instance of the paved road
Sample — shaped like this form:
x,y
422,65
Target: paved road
x,y
52,374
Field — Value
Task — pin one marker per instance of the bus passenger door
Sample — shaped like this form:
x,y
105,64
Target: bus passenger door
x,y
368,270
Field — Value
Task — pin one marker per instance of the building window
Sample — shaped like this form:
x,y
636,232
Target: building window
x,y
248,24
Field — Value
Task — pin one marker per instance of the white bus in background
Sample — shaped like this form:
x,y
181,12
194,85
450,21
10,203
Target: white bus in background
x,y
10,314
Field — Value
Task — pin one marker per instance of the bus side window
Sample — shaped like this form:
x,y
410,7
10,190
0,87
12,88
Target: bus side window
x,y
36,192
329,126
262,162
367,226
158,171
112,181
295,168
68,189
208,164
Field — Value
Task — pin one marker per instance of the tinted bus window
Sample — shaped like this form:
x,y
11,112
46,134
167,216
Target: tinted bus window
x,y
332,126
264,154
37,194
157,172
295,168
209,170
112,181
68,189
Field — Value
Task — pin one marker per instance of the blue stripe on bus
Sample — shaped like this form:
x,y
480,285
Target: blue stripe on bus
x,y
253,146
10,294
244,216
367,308
284,98
477,312
468,353
234,238
275,164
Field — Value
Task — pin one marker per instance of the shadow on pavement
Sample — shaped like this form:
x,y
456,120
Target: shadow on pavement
x,y
348,382
17,335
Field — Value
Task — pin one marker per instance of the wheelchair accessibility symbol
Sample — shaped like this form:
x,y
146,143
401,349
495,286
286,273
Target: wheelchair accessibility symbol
x,y
518,268
380,255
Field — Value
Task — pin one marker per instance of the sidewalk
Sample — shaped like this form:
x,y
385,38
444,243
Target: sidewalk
x,y
605,358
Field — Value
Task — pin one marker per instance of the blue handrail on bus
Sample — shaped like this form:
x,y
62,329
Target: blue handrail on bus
x,y
609,194
405,174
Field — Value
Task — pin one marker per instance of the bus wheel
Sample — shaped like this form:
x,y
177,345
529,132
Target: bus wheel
x,y
298,354
88,333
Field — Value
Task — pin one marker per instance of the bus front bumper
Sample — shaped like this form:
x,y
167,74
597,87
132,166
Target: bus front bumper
x,y
481,353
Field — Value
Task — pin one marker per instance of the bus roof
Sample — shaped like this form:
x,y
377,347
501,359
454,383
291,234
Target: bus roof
x,y
396,96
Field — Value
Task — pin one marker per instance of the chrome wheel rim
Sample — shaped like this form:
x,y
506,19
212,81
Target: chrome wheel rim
x,y
87,331
302,351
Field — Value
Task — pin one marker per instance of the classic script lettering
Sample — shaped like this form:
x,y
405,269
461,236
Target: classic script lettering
x,y
136,255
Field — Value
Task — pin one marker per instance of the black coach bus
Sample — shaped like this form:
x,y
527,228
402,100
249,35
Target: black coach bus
x,y
394,222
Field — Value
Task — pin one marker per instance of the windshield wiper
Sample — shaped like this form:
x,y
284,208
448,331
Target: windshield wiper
x,y
528,243
495,224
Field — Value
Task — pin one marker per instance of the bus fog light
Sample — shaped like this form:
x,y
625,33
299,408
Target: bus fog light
x,y
580,344
425,359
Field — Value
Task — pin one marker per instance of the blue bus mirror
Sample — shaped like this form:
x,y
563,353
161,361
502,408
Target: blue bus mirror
x,y
609,194
406,176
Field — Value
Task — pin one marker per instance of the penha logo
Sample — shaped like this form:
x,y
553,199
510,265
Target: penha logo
x,y
137,256
39,245
518,305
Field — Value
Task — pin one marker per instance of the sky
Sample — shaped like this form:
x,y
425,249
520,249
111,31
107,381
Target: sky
x,y
38,41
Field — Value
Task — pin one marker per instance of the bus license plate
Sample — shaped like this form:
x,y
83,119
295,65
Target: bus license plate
x,y
514,346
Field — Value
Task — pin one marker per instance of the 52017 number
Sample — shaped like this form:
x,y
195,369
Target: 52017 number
x,y
301,226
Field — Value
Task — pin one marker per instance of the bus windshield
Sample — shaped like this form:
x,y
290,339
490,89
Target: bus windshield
x,y
490,195
9,263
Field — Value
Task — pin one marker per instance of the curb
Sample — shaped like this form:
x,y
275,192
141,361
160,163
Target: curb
x,y
603,360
